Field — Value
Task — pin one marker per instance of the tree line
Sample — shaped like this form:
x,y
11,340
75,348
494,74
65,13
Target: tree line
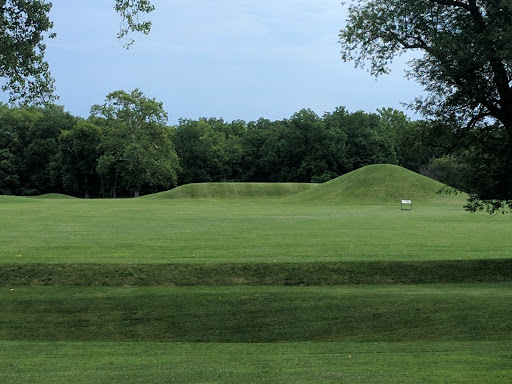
x,y
463,61
126,148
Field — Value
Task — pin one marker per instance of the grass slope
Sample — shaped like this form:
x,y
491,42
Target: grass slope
x,y
465,312
256,274
378,184
232,191
54,196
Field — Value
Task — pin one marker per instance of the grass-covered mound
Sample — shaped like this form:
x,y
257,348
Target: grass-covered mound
x,y
232,191
378,184
54,196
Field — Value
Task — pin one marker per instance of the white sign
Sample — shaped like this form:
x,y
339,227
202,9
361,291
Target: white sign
x,y
406,202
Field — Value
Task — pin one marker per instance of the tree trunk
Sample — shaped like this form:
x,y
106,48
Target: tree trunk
x,y
86,194
114,192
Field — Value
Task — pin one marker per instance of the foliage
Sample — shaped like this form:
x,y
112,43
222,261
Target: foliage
x,y
9,178
79,151
308,151
132,12
24,24
446,169
463,59
137,149
23,27
202,148
408,138
28,146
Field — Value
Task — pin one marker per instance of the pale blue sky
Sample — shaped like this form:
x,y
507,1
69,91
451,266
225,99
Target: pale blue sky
x,y
233,59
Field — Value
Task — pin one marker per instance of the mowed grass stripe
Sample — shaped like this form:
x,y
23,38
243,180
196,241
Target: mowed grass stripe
x,y
280,363
481,312
257,274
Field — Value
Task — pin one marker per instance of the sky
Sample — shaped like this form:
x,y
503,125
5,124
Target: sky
x,y
231,59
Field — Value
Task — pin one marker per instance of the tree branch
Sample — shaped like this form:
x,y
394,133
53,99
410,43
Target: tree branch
x,y
454,3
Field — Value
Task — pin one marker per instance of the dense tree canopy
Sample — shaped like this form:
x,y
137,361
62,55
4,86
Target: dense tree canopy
x,y
24,25
28,144
464,61
125,148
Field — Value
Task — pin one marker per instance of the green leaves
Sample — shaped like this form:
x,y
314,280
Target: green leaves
x,y
137,147
465,61
23,27
25,24
132,13
79,150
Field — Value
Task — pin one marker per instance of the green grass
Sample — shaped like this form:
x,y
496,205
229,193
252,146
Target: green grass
x,y
379,184
249,283
425,313
54,196
231,191
312,362
242,231
257,274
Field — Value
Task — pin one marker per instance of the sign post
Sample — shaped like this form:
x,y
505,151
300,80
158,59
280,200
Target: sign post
x,y
406,205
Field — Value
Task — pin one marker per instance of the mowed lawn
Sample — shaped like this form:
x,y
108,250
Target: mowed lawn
x,y
243,231
355,363
362,334
84,332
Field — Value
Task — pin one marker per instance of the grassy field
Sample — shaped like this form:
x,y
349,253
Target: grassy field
x,y
311,362
257,283
243,231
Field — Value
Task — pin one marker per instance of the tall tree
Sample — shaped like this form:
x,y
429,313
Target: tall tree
x,y
24,25
78,156
464,64
137,147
